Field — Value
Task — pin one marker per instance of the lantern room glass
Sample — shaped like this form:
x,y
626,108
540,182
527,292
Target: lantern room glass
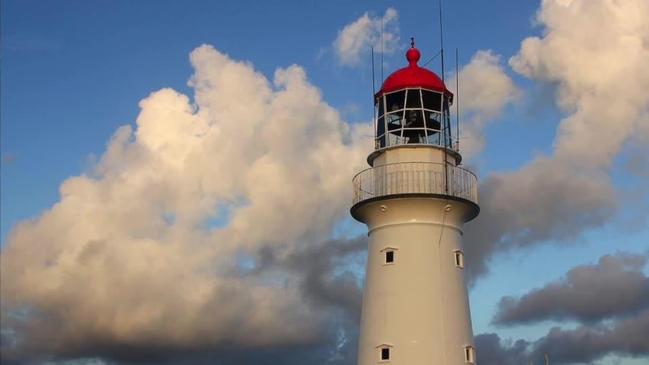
x,y
409,116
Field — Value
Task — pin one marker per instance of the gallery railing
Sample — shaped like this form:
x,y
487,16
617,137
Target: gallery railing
x,y
415,178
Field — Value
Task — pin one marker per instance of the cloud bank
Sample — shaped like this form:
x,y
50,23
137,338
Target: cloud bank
x,y
595,53
159,245
202,231
608,300
211,208
615,287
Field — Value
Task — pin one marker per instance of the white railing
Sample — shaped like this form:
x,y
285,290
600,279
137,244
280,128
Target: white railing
x,y
415,178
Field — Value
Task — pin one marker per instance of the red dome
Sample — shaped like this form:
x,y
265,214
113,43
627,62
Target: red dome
x,y
413,76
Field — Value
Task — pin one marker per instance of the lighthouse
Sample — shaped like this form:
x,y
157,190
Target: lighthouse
x,y
414,199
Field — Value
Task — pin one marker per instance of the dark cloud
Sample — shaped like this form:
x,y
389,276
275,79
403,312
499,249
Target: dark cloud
x,y
328,273
542,201
324,278
491,350
609,300
585,344
614,287
321,285
326,352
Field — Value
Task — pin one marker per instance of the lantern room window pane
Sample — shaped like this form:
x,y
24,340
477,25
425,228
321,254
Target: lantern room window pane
x,y
414,119
414,99
395,101
381,106
394,139
414,135
434,138
380,126
381,141
433,120
394,121
432,100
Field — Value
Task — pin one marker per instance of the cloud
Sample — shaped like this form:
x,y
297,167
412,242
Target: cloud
x,y
491,350
606,100
545,200
356,38
585,344
609,301
614,287
485,90
147,250
582,345
321,285
595,53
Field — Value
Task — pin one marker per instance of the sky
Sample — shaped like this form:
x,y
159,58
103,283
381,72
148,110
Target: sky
x,y
176,176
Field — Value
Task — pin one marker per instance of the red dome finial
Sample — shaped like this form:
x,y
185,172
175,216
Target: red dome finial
x,y
413,76
413,54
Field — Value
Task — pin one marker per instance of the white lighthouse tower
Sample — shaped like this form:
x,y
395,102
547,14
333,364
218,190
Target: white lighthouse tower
x,y
414,199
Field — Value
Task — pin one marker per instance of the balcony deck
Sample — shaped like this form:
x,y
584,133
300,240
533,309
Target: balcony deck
x,y
416,179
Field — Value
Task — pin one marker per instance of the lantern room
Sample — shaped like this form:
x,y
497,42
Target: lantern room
x,y
412,107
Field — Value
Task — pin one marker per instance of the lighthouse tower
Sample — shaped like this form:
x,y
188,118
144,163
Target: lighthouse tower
x,y
414,199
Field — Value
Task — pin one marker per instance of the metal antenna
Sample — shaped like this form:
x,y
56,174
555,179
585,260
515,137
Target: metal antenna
x,y
445,116
441,37
382,50
430,59
447,122
373,81
457,101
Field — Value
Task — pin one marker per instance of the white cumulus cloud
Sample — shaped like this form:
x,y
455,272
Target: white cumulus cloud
x,y
355,39
485,90
596,53
151,247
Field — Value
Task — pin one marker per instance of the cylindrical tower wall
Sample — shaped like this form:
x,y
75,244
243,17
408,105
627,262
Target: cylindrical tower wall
x,y
416,305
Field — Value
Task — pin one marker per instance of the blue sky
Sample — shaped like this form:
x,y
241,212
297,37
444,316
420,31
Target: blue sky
x,y
73,72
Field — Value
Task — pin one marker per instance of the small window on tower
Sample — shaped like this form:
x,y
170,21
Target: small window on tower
x,y
389,257
384,354
459,258
469,354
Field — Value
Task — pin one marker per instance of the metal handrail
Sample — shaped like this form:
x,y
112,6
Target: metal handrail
x,y
415,178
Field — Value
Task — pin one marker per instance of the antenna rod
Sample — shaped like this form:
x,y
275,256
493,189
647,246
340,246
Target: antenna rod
x,y
457,101
373,81
441,37
382,51
445,116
